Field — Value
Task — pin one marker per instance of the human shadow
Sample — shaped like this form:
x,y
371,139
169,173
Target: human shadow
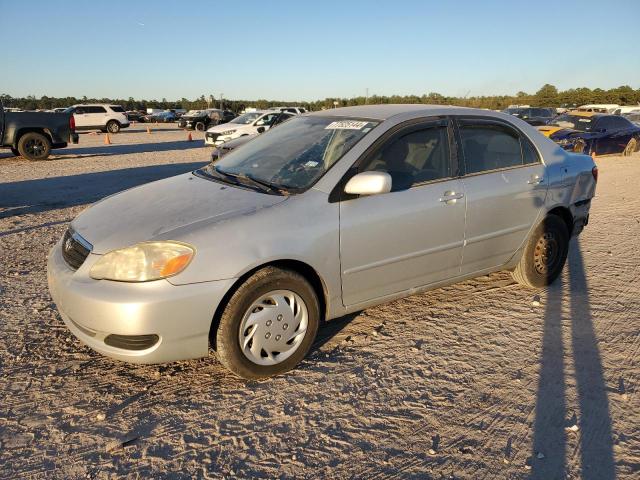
x,y
592,423
43,194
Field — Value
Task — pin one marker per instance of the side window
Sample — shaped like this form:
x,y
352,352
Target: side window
x,y
529,153
415,157
79,110
489,146
95,110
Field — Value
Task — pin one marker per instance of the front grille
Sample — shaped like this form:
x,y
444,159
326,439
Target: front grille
x,y
75,249
131,342
212,136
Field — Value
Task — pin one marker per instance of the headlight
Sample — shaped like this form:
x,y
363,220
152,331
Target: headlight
x,y
565,141
227,132
143,262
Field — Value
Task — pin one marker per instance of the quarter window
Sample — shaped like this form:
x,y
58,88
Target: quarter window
x,y
413,158
94,109
489,146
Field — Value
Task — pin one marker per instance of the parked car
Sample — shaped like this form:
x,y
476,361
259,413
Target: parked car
x,y
33,134
295,110
226,147
593,133
161,117
329,213
203,119
633,117
246,124
136,116
104,117
532,115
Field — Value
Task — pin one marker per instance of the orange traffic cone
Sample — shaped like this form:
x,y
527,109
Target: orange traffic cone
x,y
107,140
148,129
189,138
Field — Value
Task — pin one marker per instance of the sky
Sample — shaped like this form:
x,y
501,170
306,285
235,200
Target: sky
x,y
308,50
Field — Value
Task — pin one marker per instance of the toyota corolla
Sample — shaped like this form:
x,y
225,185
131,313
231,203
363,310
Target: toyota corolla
x,y
328,214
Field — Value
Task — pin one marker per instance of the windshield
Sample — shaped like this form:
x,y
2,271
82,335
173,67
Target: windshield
x,y
193,113
294,155
575,122
246,118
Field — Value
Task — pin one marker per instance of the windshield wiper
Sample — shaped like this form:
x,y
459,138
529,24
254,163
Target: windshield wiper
x,y
242,179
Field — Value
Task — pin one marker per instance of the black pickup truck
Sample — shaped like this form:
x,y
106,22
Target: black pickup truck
x,y
34,134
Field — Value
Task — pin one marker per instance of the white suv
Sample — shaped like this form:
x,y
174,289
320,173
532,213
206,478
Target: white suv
x,y
247,124
108,118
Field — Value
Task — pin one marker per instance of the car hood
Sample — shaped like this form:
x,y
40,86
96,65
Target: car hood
x,y
223,127
155,210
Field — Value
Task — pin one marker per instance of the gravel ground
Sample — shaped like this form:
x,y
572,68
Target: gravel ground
x,y
483,379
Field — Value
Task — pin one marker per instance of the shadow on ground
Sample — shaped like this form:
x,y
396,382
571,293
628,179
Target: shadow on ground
x,y
554,422
34,196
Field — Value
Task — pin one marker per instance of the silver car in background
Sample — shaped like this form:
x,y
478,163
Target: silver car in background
x,y
330,213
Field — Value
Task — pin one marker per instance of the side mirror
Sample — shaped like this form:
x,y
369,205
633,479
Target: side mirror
x,y
261,129
369,183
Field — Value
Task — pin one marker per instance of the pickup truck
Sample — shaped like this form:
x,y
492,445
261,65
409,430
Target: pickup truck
x,y
34,134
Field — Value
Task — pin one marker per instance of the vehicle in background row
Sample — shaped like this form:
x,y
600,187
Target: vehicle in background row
x,y
626,109
532,115
161,117
221,150
135,116
33,134
104,117
593,133
202,119
246,124
296,110
633,117
59,109
330,213
599,107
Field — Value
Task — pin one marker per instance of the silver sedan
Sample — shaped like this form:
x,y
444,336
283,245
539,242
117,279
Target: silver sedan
x,y
328,214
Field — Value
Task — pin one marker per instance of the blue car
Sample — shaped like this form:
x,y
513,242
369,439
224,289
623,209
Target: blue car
x,y
594,133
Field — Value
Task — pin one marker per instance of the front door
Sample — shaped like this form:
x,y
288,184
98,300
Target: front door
x,y
505,185
412,236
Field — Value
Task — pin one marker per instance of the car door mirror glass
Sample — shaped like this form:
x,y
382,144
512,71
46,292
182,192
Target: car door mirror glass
x,y
369,183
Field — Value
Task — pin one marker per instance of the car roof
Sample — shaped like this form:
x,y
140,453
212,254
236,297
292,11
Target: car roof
x,y
386,111
580,113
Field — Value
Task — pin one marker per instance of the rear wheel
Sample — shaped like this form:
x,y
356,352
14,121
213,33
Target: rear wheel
x,y
113,126
544,254
630,148
268,325
34,146
200,126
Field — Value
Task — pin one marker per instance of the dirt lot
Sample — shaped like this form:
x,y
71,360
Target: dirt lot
x,y
479,380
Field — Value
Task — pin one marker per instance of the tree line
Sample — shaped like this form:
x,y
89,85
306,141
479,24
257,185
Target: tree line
x,y
547,96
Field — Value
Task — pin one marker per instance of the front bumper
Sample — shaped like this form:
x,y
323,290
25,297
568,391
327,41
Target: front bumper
x,y
215,139
94,309
125,125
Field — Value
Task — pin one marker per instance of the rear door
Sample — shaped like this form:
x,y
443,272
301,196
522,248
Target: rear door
x,y
505,185
412,236
81,117
96,116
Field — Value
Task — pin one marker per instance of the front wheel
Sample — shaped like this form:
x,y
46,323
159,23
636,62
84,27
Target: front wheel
x,y
113,126
200,126
268,325
34,146
630,148
544,255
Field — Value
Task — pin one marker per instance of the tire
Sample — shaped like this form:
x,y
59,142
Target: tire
x,y
243,321
15,151
34,146
113,126
630,148
200,127
538,267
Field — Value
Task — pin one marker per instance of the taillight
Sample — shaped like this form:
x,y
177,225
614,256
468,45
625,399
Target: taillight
x,y
594,172
72,123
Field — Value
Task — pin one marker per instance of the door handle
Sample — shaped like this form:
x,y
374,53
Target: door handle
x,y
535,180
450,197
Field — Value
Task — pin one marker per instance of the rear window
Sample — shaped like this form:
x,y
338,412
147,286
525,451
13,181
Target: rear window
x,y
116,108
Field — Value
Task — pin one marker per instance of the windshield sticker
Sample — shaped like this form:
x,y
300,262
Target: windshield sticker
x,y
585,120
311,164
346,125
